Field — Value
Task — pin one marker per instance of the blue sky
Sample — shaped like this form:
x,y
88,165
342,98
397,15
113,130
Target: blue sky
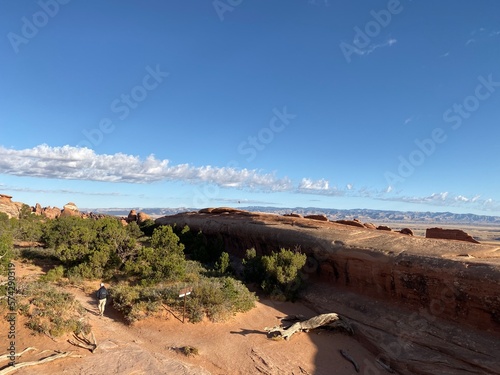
x,y
333,104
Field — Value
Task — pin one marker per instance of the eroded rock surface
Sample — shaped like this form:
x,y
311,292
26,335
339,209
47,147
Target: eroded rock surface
x,y
449,234
428,277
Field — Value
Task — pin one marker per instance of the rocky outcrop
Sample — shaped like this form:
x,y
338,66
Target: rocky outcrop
x,y
449,234
406,231
293,215
132,216
429,279
354,223
138,218
51,212
316,217
142,217
370,226
384,227
70,209
12,209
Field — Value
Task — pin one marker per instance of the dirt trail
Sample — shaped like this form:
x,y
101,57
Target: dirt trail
x,y
239,346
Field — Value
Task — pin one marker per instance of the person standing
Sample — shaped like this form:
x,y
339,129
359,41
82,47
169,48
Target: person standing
x,y
102,294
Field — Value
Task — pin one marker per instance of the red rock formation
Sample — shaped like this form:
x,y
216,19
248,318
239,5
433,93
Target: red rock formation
x,y
384,227
449,303
51,212
142,217
354,223
132,216
449,234
294,215
12,209
37,210
406,231
370,225
70,209
321,217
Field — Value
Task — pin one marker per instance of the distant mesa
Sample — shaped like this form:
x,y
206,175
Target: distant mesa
x,y
449,234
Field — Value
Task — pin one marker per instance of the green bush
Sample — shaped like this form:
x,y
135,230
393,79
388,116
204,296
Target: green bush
x,y
89,248
216,298
6,252
253,270
282,279
164,261
53,275
277,274
49,310
223,264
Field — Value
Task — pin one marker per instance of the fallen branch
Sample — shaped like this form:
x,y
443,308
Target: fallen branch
x,y
10,369
84,342
330,320
7,356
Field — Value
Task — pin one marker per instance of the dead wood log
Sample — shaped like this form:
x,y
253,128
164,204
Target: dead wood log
x,y
84,342
3,357
330,320
51,358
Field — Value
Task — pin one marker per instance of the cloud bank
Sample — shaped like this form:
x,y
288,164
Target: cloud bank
x,y
76,163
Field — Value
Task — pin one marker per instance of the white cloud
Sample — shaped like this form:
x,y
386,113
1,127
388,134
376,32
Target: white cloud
x,y
308,184
372,47
75,163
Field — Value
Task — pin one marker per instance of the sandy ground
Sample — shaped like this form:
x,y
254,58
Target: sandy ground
x,y
238,346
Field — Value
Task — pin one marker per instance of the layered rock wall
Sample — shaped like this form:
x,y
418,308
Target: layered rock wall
x,y
459,281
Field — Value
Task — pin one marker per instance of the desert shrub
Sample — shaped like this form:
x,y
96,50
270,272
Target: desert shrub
x,y
50,310
89,248
53,275
277,274
6,252
223,264
253,270
164,261
219,299
216,298
189,351
148,226
134,230
281,270
28,227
